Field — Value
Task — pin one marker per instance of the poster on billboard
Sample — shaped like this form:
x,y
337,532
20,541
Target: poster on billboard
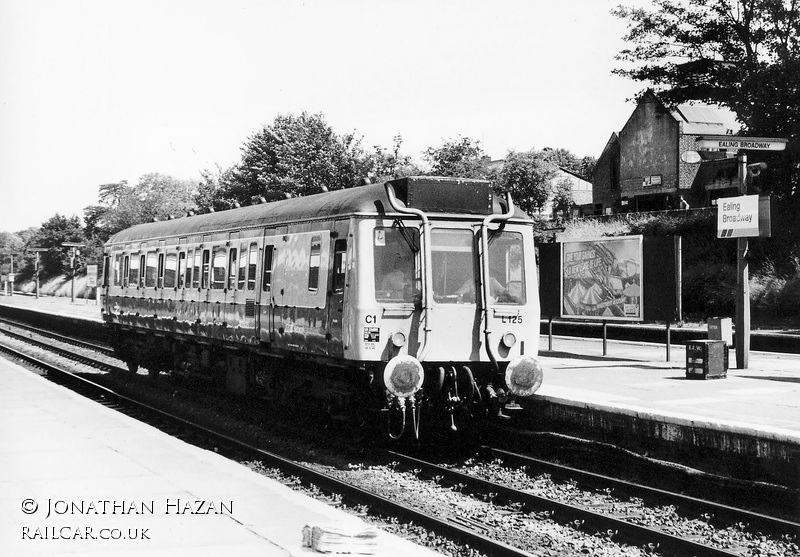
x,y
601,279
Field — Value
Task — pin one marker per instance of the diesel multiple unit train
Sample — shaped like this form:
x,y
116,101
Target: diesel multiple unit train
x,y
419,294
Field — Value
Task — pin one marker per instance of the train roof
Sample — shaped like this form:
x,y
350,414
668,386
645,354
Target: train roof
x,y
432,194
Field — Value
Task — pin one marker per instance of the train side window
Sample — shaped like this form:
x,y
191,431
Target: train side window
x,y
142,268
196,269
315,255
160,282
117,271
151,270
232,269
339,264
188,270
126,271
206,268
266,283
218,269
242,267
170,268
252,265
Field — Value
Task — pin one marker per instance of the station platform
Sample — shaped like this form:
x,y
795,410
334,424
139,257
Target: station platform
x,y
77,478
747,422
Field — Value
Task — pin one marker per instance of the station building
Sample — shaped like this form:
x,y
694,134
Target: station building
x,y
644,166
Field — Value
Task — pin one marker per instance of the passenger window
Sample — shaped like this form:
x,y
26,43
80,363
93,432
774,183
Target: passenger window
x,y
313,262
232,270
182,270
266,283
142,269
395,266
242,267
170,270
160,282
196,268
206,268
117,271
151,270
218,268
252,265
339,264
189,259
127,272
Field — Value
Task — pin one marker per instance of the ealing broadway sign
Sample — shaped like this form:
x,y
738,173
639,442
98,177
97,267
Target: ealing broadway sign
x,y
737,217
734,143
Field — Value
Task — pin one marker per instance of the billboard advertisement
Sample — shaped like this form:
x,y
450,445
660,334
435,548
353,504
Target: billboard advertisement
x,y
601,279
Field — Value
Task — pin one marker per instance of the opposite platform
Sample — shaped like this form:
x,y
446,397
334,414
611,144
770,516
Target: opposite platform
x,y
73,472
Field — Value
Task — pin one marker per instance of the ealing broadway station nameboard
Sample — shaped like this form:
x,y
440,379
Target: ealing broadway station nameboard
x,y
734,143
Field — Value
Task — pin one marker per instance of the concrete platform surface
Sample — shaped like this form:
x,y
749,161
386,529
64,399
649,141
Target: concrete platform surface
x,y
763,399
77,478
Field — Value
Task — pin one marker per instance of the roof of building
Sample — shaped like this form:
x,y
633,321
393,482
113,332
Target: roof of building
x,y
706,119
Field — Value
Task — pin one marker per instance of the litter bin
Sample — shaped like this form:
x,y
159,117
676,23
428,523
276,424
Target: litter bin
x,y
706,359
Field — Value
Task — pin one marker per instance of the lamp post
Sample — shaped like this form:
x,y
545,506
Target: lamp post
x,y
74,251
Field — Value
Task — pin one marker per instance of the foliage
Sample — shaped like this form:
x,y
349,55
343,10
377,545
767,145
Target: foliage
x,y
387,164
528,177
295,156
565,159
461,158
563,199
155,197
52,234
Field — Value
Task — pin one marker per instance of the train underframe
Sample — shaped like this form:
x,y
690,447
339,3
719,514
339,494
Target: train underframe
x,y
349,393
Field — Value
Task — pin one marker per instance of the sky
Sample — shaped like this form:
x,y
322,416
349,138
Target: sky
x,y
98,91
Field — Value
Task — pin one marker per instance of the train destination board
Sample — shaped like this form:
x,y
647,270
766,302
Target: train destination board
x,y
734,143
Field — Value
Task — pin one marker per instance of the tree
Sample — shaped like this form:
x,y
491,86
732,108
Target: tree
x,y
462,158
742,54
54,232
528,177
563,199
387,164
295,156
155,197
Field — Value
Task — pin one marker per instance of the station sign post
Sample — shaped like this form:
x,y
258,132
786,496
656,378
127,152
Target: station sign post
x,y
739,219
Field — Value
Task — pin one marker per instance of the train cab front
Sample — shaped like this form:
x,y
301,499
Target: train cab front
x,y
451,305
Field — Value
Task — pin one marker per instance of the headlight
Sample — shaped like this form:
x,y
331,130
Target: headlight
x,y
398,338
403,375
524,376
509,340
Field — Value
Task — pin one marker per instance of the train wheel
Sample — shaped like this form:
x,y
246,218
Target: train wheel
x,y
131,356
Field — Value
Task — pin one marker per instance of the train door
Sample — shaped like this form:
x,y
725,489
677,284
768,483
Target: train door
x,y
336,293
300,291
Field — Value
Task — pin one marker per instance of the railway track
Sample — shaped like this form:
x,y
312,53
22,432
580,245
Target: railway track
x,y
486,536
617,517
